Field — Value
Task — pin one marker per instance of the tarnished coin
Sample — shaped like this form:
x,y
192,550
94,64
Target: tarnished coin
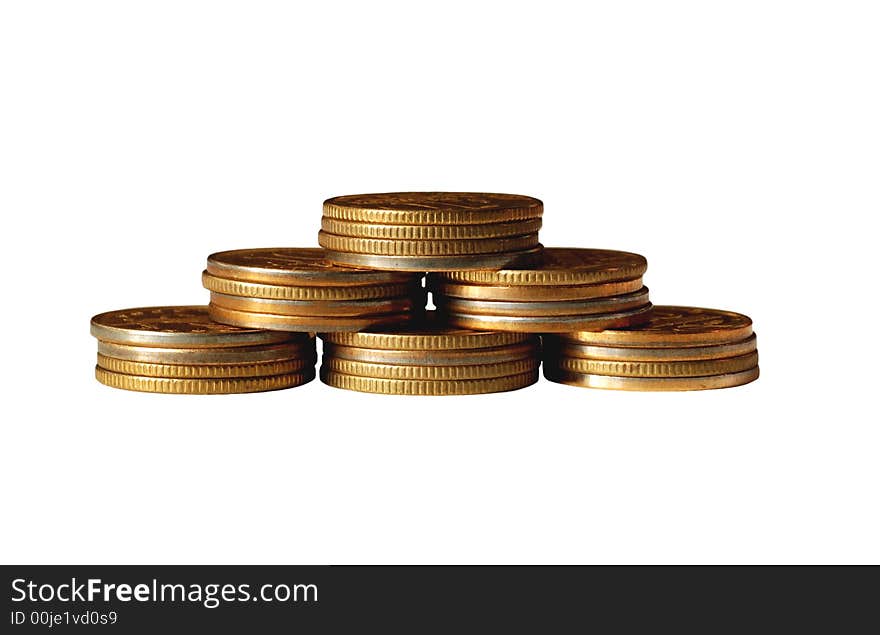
x,y
306,324
614,304
430,333
175,327
532,293
428,387
303,348
652,384
430,373
561,266
431,248
675,326
433,263
555,324
295,267
208,371
697,368
304,308
433,208
310,294
560,346
430,232
452,357
201,386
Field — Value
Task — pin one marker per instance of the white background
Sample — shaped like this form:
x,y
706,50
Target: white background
x,y
735,144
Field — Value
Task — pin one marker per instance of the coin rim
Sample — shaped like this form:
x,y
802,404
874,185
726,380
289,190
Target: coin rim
x,y
555,324
426,248
161,385
430,232
310,324
670,369
422,264
430,373
204,371
653,384
558,345
436,388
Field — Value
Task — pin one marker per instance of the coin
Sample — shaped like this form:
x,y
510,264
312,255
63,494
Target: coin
x,y
461,357
427,387
432,248
201,386
430,373
545,309
296,267
430,333
556,324
313,293
559,346
561,266
698,368
433,208
175,327
302,349
430,232
652,384
307,324
355,308
532,293
437,263
675,326
212,371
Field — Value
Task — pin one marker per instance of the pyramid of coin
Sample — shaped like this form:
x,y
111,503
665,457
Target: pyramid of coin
x,y
505,304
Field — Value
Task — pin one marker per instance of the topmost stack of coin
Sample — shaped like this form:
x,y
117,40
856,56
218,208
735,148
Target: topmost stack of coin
x,y
431,231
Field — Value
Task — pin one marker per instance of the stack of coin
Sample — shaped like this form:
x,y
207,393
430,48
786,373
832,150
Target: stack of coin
x,y
179,349
680,348
299,290
564,290
429,358
431,231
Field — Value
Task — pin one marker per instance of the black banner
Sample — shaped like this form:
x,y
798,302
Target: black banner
x,y
126,599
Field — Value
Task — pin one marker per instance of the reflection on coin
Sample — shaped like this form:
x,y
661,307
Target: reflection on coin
x,y
175,327
433,208
535,293
614,304
652,384
560,346
201,386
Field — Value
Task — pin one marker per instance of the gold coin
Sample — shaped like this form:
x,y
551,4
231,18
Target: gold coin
x,y
311,324
201,386
652,384
435,248
433,208
304,349
675,326
300,267
212,371
437,263
354,308
430,373
700,368
532,293
427,334
432,358
312,294
175,327
545,309
427,387
429,232
561,266
560,346
554,324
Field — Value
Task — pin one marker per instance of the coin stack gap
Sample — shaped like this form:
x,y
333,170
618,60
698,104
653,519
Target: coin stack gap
x,y
292,289
431,231
564,290
679,348
180,350
430,358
